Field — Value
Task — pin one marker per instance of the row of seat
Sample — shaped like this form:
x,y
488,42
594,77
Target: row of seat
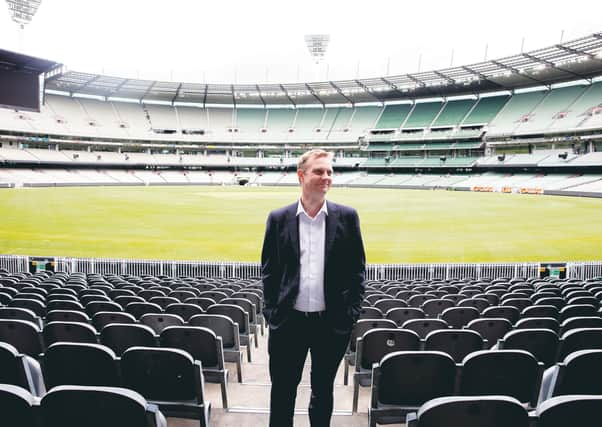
x,y
76,406
166,376
503,411
543,344
405,380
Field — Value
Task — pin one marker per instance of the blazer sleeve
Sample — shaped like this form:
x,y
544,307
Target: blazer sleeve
x,y
270,266
357,266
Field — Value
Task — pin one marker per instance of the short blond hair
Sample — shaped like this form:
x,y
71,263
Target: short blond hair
x,y
312,154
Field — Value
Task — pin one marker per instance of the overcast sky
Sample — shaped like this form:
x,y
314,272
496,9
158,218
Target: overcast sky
x,y
232,41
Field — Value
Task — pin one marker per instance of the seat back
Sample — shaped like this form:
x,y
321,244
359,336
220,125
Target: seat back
x,y
201,343
491,329
458,343
104,318
376,343
121,336
579,339
570,410
80,364
222,326
77,406
401,315
581,374
458,317
411,378
541,343
423,326
17,406
23,335
473,411
513,373
69,332
159,321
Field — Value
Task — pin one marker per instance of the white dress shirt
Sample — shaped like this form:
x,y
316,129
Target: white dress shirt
x,y
312,245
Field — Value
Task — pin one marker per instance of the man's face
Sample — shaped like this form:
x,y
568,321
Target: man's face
x,y
317,177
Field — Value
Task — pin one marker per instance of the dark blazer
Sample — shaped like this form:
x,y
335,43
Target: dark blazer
x,y
344,266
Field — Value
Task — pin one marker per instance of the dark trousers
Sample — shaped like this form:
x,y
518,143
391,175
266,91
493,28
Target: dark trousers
x,y
288,346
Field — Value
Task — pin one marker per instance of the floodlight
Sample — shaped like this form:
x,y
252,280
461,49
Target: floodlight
x,y
317,44
22,11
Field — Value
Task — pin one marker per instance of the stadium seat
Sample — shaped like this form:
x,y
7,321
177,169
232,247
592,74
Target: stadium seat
x,y
372,346
538,323
164,301
580,322
227,330
138,309
359,329
540,311
121,336
96,306
17,407
203,303
38,307
434,307
401,315
491,329
20,370
502,311
15,313
103,318
385,305
578,373
240,317
541,343
579,339
203,345
76,406
514,373
25,336
478,303
168,377
577,310
470,411
184,310
251,310
159,321
66,316
458,317
569,410
69,332
69,363
423,326
457,343
405,380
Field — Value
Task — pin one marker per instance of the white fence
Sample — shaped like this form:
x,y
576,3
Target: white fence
x,y
19,263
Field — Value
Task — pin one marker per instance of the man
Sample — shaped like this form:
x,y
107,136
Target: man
x,y
313,268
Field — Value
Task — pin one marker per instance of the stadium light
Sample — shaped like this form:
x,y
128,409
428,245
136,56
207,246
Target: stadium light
x,y
22,11
317,44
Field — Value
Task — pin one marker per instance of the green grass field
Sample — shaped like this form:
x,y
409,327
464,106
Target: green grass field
x,y
227,223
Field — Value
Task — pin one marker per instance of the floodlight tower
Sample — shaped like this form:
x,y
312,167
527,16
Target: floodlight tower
x,y
22,12
317,45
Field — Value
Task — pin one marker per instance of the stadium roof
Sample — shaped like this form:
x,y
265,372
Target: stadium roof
x,y
13,61
573,60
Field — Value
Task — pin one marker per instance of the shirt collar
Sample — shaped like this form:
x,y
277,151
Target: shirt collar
x,y
301,209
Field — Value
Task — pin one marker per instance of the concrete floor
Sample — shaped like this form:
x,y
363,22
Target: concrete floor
x,y
249,401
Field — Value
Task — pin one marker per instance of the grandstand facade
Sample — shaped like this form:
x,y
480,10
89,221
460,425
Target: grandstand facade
x,y
530,123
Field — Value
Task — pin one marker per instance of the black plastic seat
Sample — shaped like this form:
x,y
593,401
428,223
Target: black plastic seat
x,y
121,336
405,380
372,346
458,343
69,332
203,345
227,330
20,370
69,363
104,318
424,326
159,321
541,343
491,329
569,410
77,406
25,336
470,411
17,406
168,377
514,373
458,317
578,373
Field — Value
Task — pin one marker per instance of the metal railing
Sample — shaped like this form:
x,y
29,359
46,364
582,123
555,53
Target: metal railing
x,y
139,267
